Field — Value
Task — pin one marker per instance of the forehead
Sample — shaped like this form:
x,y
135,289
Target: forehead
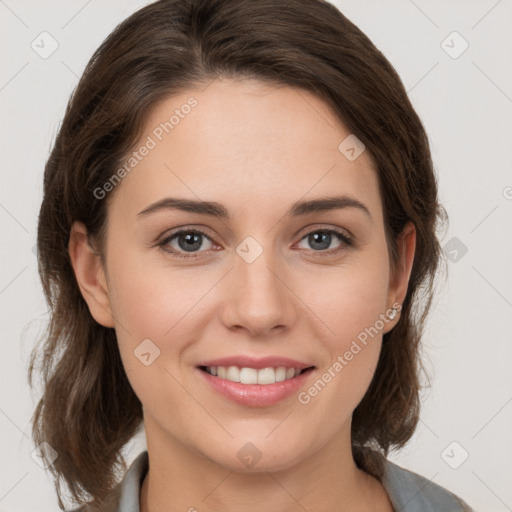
x,y
246,144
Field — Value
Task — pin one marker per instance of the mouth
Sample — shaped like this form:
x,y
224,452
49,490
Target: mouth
x,y
251,376
255,387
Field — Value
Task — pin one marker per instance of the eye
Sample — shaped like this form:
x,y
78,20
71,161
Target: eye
x,y
321,239
191,240
187,241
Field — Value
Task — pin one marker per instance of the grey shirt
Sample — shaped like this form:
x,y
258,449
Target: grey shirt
x,y
408,491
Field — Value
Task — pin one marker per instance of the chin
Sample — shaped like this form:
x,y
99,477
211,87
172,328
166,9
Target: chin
x,y
249,455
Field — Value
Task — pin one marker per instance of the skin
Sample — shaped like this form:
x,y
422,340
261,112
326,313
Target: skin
x,y
256,150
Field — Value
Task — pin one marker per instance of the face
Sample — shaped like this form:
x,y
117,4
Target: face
x,y
267,279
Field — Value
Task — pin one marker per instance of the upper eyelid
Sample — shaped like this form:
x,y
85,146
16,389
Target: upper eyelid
x,y
203,230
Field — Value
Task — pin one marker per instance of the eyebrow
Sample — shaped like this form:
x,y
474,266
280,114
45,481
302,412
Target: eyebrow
x,y
215,209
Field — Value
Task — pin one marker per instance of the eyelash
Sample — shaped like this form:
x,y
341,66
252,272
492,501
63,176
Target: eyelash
x,y
345,240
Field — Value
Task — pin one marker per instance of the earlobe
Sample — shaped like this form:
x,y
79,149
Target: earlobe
x,y
90,275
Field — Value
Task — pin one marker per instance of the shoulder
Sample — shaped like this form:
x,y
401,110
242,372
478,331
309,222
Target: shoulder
x,y
110,504
410,492
125,496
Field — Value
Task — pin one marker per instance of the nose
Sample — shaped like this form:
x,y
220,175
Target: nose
x,y
257,297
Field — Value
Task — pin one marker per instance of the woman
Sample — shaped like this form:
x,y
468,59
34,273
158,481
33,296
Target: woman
x,y
239,215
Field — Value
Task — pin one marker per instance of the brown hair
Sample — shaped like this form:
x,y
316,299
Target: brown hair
x,y
88,410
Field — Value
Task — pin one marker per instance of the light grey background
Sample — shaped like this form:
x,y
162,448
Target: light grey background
x,y
466,106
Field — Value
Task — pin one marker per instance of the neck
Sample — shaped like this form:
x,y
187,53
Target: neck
x,y
182,479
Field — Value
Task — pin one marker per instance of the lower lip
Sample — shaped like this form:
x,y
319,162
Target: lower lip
x,y
256,395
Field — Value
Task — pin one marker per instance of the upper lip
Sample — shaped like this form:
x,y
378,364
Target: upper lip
x,y
257,362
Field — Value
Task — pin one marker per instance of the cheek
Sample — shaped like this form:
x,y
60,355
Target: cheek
x,y
154,323
148,295
349,303
349,298
149,303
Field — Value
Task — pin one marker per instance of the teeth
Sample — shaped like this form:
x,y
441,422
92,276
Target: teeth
x,y
251,375
248,376
233,374
280,374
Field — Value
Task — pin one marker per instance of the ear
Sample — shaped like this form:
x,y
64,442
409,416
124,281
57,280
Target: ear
x,y
399,278
90,275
